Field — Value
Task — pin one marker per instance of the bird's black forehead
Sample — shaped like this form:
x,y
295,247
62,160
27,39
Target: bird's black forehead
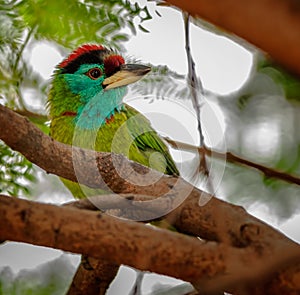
x,y
91,57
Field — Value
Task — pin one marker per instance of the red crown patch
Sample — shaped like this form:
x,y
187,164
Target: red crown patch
x,y
79,51
112,63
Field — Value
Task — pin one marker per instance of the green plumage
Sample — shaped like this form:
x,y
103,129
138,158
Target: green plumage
x,y
140,147
77,119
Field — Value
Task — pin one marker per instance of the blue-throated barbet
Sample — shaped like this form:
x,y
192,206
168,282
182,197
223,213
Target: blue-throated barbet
x,y
87,110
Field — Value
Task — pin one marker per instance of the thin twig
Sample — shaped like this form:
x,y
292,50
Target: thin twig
x,y
255,21
22,48
230,157
197,94
194,83
32,115
16,64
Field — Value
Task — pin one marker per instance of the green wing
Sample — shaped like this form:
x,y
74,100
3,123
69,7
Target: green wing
x,y
147,140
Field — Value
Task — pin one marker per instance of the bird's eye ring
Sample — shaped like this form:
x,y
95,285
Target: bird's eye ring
x,y
94,73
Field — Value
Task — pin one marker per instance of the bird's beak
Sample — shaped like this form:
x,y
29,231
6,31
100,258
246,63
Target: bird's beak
x,y
128,73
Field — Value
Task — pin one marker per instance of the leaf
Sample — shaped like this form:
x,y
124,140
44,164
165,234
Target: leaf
x,y
17,174
290,83
162,83
51,278
158,13
143,29
268,78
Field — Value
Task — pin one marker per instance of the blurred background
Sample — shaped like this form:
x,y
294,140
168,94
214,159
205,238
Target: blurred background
x,y
250,108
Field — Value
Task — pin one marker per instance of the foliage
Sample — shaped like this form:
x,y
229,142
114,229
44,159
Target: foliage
x,y
47,279
262,119
85,21
70,23
289,83
65,24
16,173
271,95
162,83
269,78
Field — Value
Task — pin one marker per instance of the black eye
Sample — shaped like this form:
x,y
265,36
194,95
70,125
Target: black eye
x,y
94,73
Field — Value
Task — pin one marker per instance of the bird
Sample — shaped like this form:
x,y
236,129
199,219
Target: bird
x,y
86,109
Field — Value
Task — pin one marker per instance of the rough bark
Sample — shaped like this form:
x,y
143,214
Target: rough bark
x,y
209,266
93,277
240,248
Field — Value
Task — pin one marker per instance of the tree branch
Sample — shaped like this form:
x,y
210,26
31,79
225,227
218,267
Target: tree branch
x,y
228,156
272,25
197,95
251,248
232,158
93,277
193,81
210,266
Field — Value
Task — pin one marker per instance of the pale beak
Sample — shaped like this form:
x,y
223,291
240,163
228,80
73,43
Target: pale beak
x,y
128,73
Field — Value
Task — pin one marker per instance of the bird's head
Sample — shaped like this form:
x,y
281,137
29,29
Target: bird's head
x,y
91,72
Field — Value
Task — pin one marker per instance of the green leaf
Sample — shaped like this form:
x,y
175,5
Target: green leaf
x,y
143,29
17,174
290,83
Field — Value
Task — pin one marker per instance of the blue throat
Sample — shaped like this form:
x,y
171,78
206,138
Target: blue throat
x,y
100,108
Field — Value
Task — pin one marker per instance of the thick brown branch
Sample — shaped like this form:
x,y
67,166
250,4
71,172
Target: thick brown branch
x,y
24,137
272,25
93,277
118,241
237,231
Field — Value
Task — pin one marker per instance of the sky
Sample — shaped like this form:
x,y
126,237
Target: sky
x,y
223,67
